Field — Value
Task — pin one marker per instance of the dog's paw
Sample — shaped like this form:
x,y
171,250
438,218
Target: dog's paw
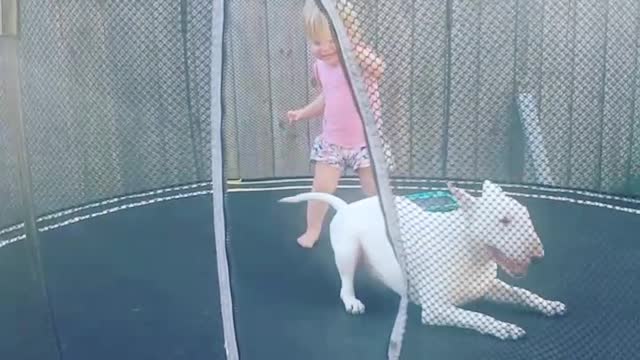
x,y
353,306
506,331
553,308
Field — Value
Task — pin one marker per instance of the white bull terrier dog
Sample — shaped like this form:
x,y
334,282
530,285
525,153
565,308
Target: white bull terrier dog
x,y
452,257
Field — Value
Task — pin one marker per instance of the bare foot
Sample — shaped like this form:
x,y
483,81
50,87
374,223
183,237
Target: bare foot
x,y
308,239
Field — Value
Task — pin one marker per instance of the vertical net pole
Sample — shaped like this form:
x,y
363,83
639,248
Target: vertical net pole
x,y
217,179
354,72
10,69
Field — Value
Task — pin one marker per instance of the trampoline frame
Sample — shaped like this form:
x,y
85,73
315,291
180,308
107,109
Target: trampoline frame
x,y
68,216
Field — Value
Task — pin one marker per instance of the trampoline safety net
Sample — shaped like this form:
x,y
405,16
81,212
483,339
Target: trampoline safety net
x,y
146,148
487,91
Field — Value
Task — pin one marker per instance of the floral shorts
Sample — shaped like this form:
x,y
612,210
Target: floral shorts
x,y
338,156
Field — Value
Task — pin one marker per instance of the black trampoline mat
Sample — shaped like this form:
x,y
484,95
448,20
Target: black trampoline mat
x,y
141,284
137,284
287,303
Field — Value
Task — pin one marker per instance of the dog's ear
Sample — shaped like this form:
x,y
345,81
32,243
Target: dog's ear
x,y
489,188
464,199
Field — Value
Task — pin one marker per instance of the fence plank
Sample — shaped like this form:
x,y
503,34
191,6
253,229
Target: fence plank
x,y
91,115
197,36
145,79
618,111
555,86
230,120
585,124
496,71
130,88
529,46
427,89
633,164
10,202
288,79
394,44
253,99
47,94
529,67
178,132
463,107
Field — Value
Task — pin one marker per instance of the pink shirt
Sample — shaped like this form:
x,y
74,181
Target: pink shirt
x,y
341,122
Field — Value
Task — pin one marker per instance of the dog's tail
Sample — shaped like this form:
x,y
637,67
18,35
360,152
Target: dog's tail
x,y
334,201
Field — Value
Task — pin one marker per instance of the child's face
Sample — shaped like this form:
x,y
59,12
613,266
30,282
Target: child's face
x,y
324,49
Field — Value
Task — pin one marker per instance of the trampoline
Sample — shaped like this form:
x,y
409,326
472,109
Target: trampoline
x,y
144,147
287,303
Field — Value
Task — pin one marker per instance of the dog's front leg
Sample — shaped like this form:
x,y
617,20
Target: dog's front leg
x,y
447,315
505,293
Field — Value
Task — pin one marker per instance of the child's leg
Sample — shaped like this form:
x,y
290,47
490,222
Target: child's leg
x,y
325,179
367,181
362,165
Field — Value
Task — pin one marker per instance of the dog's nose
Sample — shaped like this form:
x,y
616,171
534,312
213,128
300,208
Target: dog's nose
x,y
538,253
536,259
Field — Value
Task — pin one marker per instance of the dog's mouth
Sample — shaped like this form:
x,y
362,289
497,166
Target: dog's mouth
x,y
515,268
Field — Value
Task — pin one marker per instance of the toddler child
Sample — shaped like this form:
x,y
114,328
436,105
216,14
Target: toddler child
x,y
342,143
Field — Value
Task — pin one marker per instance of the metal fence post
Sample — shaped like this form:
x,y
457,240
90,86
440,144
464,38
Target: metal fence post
x,y
10,74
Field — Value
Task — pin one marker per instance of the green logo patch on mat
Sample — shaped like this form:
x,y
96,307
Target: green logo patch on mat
x,y
434,201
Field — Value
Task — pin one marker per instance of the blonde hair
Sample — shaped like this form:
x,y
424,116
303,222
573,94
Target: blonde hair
x,y
316,25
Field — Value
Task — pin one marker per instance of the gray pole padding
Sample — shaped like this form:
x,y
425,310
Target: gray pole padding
x,y
376,151
218,185
9,71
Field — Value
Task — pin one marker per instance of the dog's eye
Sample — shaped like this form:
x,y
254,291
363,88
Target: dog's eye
x,y
505,220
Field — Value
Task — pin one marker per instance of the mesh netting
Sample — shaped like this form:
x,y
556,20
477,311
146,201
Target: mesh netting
x,y
577,81
530,91
466,82
116,97
539,92
461,78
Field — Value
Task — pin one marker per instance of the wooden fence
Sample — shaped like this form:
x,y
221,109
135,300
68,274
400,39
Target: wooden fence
x,y
453,93
115,95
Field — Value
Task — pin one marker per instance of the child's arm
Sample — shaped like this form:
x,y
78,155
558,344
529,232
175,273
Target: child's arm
x,y
313,109
369,60
365,55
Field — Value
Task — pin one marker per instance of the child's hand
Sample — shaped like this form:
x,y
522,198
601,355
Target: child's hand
x,y
313,109
294,115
